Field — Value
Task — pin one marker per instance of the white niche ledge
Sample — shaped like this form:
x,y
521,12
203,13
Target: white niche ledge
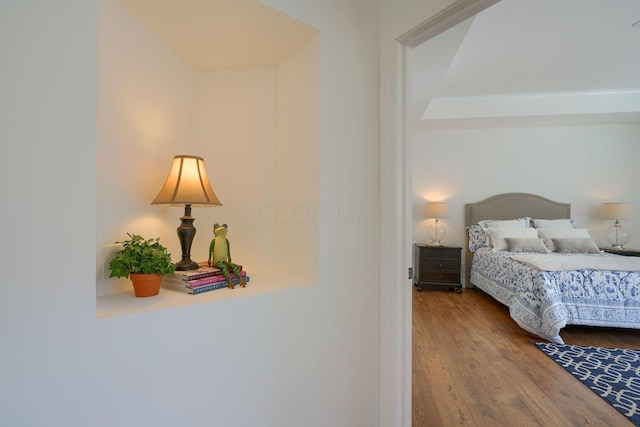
x,y
124,303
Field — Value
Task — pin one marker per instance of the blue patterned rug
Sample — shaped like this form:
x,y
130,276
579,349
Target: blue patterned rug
x,y
612,373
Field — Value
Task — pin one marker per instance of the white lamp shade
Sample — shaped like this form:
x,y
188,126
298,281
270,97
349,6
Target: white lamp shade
x,y
187,183
617,211
437,210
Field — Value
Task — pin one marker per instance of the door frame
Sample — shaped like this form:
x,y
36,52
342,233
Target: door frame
x,y
395,287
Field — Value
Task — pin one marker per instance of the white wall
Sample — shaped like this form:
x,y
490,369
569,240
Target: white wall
x,y
237,114
297,211
146,115
56,366
581,165
301,357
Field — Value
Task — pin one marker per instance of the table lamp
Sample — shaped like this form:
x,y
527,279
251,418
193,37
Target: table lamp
x,y
187,184
616,234
437,210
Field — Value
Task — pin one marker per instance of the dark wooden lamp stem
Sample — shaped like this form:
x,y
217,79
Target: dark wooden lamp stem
x,y
186,233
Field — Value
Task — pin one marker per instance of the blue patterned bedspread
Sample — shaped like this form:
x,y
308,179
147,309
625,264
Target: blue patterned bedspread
x,y
544,302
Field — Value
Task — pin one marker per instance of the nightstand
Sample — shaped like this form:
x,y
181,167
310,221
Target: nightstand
x,y
625,252
437,266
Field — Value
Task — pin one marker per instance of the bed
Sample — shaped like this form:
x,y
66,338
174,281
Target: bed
x,y
574,284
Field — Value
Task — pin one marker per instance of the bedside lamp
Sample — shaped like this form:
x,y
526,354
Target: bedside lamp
x,y
616,235
437,210
187,184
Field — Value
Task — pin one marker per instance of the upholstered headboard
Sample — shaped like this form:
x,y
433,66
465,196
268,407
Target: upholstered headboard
x,y
511,206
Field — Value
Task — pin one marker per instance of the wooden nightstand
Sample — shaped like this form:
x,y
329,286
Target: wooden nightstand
x,y
625,252
437,266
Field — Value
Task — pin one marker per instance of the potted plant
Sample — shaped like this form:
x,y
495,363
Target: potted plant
x,y
144,262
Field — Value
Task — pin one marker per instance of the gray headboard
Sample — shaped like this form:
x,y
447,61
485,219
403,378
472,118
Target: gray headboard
x,y
511,206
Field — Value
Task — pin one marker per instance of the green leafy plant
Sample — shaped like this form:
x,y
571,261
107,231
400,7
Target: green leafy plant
x,y
140,255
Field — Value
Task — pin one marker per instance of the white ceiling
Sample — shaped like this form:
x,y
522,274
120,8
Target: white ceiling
x,y
214,34
529,59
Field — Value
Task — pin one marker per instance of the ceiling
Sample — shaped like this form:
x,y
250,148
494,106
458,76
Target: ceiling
x,y
527,61
215,34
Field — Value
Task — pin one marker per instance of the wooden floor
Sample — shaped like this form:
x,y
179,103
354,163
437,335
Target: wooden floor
x,y
473,366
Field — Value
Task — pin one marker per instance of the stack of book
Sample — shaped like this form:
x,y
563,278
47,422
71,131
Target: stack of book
x,y
203,279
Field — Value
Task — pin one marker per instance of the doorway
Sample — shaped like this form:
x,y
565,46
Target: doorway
x,y
395,248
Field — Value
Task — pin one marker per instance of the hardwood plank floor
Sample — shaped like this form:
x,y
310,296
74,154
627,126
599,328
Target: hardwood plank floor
x,y
474,366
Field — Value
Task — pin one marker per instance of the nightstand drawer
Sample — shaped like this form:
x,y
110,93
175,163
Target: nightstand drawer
x,y
439,252
440,276
439,264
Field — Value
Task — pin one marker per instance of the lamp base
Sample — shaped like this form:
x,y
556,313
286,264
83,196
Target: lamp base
x,y
437,233
617,236
186,265
186,233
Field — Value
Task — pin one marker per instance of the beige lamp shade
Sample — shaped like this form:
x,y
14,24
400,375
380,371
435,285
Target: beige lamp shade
x,y
437,210
187,184
617,211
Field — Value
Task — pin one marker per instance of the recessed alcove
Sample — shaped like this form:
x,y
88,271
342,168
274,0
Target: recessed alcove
x,y
254,118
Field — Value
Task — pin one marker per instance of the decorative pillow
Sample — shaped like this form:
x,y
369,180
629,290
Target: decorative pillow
x,y
548,234
477,237
578,245
553,223
511,223
498,235
526,244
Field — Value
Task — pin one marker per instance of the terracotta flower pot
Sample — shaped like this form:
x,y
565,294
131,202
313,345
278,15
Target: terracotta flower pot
x,y
145,285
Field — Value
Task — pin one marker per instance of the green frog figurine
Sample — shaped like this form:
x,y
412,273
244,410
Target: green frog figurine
x,y
220,255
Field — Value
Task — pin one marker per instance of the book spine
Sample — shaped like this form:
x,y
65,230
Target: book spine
x,y
207,288
174,280
213,279
195,276
213,286
190,276
184,287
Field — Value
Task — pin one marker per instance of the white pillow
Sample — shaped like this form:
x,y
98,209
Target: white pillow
x,y
553,223
511,223
548,234
499,235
